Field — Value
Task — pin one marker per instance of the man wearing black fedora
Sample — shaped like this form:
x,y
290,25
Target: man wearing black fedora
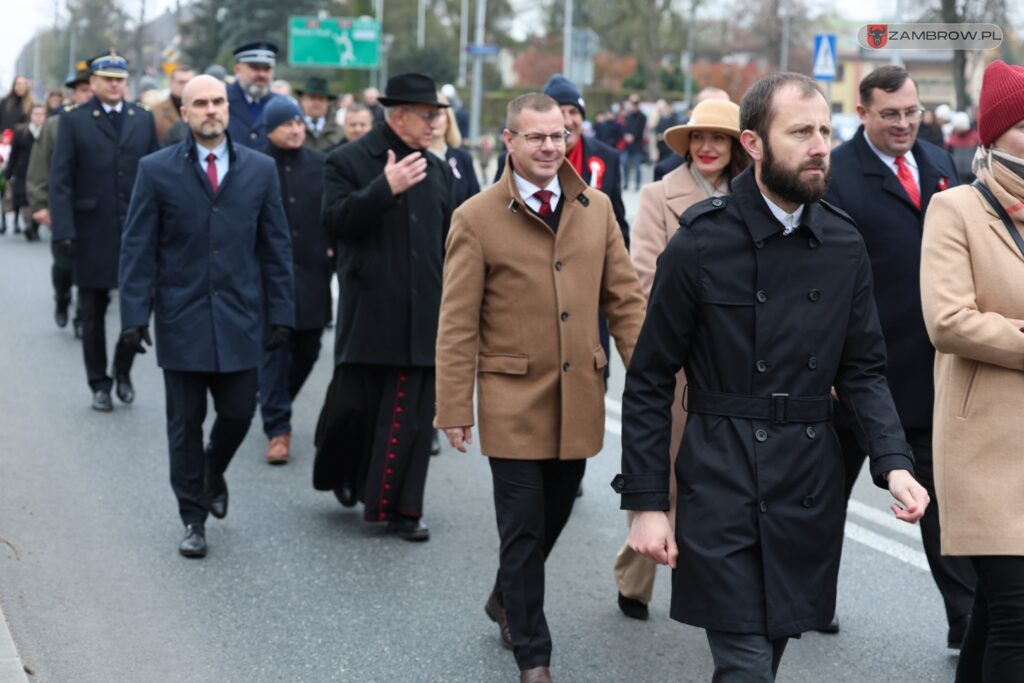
x,y
322,130
387,206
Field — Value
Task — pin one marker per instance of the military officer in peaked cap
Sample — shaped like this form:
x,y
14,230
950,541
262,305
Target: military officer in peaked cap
x,y
249,95
99,145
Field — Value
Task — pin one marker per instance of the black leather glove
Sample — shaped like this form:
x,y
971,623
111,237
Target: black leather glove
x,y
65,248
277,336
132,337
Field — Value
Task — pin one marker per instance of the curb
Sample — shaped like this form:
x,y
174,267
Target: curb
x,y
12,669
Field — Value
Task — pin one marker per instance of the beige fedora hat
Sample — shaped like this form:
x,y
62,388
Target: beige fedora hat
x,y
721,116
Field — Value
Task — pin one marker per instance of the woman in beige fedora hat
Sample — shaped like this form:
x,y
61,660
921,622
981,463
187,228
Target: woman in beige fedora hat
x,y
710,144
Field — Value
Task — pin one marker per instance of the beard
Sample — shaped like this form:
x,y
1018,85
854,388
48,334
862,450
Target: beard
x,y
209,130
787,184
256,90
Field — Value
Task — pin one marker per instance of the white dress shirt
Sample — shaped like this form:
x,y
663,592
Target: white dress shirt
x,y
890,161
221,161
107,108
790,221
527,189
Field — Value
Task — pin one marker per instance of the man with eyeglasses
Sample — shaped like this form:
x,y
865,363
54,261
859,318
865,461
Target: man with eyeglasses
x,y
386,206
529,263
884,177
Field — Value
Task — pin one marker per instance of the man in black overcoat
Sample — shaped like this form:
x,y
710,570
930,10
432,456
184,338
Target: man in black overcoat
x,y
765,299
387,205
885,177
99,145
206,249
284,370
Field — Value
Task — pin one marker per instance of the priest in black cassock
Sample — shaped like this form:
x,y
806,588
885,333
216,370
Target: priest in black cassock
x,y
387,206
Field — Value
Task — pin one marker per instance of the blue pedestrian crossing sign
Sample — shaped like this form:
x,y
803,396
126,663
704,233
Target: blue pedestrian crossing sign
x,y
824,56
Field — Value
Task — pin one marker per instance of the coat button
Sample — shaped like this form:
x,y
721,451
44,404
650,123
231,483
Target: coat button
x,y
564,316
558,265
763,507
810,432
812,363
813,243
716,202
814,295
759,244
288,169
215,209
565,366
761,366
808,501
619,483
253,136
295,233
761,435
762,296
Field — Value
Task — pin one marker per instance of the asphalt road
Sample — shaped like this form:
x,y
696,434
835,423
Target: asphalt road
x,y
297,589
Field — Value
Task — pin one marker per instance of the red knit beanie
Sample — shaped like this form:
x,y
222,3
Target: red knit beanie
x,y
1001,104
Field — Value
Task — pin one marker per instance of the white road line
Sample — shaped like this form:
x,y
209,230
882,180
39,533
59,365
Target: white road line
x,y
613,405
915,558
12,670
883,519
612,425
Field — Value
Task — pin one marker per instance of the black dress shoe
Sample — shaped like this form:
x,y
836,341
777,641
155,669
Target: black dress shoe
x,y
125,390
496,613
435,444
216,493
194,543
346,495
409,529
634,609
957,632
833,626
101,401
60,315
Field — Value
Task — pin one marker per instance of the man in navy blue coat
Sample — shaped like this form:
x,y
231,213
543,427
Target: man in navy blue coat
x,y
205,246
884,177
99,145
249,95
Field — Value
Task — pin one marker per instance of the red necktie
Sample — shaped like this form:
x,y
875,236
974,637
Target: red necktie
x,y
545,203
906,179
211,170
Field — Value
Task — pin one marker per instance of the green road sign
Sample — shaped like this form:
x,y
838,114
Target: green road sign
x,y
333,42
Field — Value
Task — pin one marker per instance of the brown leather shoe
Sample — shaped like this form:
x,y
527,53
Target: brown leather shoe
x,y
277,451
538,674
497,614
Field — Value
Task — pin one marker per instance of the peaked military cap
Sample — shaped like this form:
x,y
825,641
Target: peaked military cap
x,y
260,51
111,65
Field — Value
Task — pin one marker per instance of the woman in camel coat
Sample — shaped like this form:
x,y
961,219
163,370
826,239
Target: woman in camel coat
x,y
972,269
710,145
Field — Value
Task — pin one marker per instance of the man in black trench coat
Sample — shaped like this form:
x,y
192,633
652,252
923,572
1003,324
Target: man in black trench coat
x,y
387,205
765,299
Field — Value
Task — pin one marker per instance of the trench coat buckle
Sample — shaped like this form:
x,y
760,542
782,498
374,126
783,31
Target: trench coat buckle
x,y
778,409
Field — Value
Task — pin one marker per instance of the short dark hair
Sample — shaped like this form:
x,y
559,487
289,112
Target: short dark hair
x,y
756,110
889,78
532,100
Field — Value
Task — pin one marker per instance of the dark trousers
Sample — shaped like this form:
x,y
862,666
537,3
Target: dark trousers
x,y
532,502
745,657
283,371
60,275
93,307
234,400
993,650
954,576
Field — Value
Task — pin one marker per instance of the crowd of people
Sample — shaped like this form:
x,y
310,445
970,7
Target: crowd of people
x,y
785,312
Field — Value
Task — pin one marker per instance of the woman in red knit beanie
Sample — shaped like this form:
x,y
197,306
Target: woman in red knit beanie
x,y
972,269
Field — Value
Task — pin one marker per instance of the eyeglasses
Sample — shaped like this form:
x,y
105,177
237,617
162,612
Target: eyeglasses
x,y
537,139
892,116
428,116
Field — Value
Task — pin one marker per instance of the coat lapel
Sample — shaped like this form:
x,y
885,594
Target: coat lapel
x,y
681,192
873,166
102,120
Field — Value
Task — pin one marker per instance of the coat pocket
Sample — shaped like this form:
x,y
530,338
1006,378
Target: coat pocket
x,y
971,388
86,204
503,363
600,359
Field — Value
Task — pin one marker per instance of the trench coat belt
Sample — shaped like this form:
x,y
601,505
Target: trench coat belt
x,y
777,408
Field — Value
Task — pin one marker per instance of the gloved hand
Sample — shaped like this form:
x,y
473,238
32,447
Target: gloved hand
x,y
65,248
133,337
277,336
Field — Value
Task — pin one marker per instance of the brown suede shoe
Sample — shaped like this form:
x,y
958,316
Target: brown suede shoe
x,y
497,614
277,451
538,674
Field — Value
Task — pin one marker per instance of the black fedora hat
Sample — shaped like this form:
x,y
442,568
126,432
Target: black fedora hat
x,y
411,88
315,85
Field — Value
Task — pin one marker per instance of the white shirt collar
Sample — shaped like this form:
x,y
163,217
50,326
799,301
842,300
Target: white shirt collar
x,y
527,189
889,160
220,151
107,108
790,221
